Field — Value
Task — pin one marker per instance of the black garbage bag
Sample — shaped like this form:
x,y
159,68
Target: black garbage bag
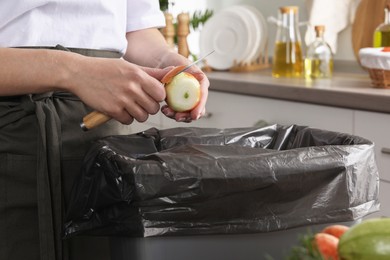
x,y
191,181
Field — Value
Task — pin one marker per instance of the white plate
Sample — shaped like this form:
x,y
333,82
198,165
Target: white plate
x,y
261,29
227,32
253,38
257,32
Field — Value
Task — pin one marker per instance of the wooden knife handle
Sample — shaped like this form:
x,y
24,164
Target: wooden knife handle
x,y
93,119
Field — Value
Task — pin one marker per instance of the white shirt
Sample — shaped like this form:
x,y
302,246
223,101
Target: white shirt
x,y
92,24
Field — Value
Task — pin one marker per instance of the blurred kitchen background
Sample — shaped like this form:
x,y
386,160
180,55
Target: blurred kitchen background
x,y
330,12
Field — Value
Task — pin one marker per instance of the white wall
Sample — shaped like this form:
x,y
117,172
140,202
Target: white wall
x,y
270,8
186,6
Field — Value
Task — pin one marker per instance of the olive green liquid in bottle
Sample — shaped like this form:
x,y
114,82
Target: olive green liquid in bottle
x,y
316,68
287,59
319,57
382,32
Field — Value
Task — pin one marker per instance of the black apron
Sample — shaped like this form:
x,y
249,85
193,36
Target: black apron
x,y
41,152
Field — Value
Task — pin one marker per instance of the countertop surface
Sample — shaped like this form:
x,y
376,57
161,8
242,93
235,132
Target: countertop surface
x,y
345,89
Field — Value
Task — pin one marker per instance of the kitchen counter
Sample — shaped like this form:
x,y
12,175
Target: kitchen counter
x,y
347,89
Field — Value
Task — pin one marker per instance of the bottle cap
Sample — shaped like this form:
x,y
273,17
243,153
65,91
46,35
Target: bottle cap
x,y
319,28
288,9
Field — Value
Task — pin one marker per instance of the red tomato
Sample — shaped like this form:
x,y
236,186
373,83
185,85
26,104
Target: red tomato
x,y
327,245
335,230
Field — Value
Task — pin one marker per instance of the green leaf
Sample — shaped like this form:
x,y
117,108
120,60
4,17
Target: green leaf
x,y
199,18
164,5
306,250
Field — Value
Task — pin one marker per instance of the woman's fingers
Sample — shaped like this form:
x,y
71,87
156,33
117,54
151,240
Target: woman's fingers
x,y
200,109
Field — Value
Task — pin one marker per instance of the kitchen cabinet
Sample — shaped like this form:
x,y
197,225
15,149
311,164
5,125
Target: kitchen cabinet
x,y
225,110
376,127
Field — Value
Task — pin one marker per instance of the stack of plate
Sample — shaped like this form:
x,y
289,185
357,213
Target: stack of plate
x,y
237,34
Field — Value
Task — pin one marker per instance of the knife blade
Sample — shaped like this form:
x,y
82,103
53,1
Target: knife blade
x,y
96,118
195,62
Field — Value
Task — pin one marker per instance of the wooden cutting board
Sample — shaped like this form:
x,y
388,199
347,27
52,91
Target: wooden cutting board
x,y
369,14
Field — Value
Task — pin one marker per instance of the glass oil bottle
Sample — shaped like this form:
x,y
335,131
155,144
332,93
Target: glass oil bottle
x,y
287,59
382,32
319,56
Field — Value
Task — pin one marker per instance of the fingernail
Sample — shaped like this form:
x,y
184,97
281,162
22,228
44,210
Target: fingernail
x,y
170,114
185,119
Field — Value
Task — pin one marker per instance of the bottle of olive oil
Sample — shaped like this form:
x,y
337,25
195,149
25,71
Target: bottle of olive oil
x,y
287,59
382,32
319,56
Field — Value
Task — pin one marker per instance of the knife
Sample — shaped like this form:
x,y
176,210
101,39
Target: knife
x,y
96,118
192,64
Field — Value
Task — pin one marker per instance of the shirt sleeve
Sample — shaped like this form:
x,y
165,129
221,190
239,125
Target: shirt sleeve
x,y
142,14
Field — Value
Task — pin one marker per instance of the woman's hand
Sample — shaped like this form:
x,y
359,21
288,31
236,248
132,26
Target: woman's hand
x,y
149,48
200,109
119,89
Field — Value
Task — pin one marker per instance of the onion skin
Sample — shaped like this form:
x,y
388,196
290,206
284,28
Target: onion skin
x,y
171,74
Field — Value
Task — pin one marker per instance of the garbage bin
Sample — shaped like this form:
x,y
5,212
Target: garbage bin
x,y
207,193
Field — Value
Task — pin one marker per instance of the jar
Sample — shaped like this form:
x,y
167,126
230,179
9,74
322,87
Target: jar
x,y
287,59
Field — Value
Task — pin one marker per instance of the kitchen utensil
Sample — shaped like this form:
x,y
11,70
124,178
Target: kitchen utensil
x,y
96,118
195,62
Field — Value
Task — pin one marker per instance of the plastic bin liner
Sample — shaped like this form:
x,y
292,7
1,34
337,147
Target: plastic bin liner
x,y
191,181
